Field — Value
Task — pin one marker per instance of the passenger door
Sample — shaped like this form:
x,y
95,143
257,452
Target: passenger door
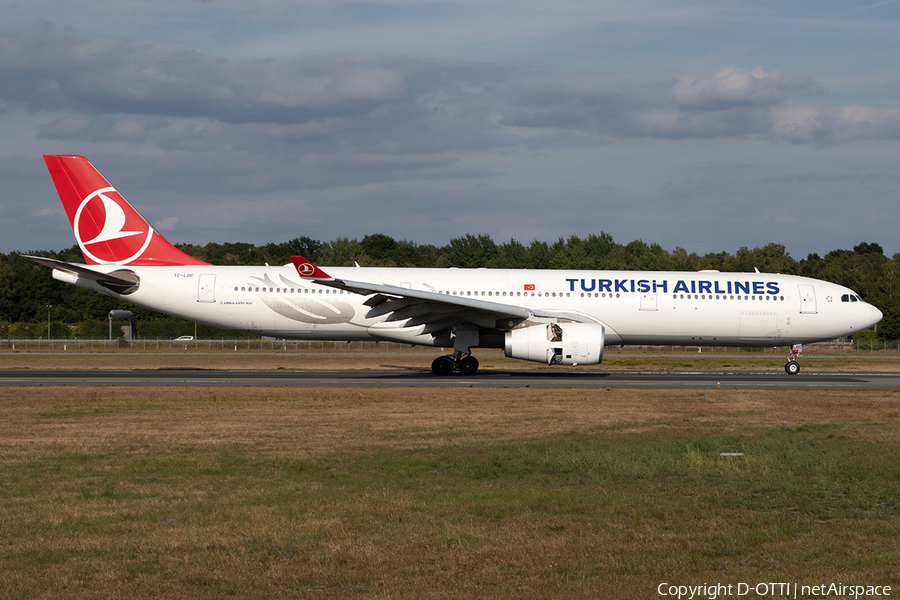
x,y
206,289
808,299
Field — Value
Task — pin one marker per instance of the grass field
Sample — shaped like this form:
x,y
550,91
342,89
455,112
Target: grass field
x,y
367,356
116,492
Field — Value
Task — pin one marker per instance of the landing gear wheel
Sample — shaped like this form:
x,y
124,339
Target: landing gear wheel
x,y
792,367
442,365
468,365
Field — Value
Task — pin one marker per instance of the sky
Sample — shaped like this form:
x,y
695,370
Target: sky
x,y
705,125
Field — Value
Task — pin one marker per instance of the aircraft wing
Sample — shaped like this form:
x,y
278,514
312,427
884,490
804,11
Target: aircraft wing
x,y
421,307
118,281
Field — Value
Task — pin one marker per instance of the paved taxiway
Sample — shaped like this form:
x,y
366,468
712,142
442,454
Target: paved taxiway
x,y
405,377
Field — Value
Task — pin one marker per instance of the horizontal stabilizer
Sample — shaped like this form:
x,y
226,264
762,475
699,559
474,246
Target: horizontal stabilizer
x,y
122,281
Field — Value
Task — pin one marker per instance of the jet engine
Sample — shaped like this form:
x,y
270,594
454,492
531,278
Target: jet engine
x,y
557,343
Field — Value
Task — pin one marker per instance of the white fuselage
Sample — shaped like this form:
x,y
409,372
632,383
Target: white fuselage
x,y
635,307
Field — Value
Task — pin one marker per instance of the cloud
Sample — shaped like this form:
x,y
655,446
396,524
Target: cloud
x,y
182,99
735,86
166,224
828,125
735,103
204,122
96,76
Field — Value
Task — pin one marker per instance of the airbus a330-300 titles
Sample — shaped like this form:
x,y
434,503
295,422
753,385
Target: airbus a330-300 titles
x,y
551,316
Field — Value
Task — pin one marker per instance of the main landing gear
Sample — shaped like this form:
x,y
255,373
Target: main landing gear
x,y
793,367
445,365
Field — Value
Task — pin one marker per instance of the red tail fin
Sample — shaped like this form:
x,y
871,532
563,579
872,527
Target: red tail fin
x,y
307,270
108,230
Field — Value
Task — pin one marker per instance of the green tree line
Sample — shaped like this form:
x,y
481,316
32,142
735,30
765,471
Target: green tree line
x,y
30,297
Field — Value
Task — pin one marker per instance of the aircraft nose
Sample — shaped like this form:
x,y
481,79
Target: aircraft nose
x,y
875,314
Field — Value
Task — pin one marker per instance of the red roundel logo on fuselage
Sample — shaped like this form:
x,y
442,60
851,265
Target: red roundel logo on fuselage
x,y
109,230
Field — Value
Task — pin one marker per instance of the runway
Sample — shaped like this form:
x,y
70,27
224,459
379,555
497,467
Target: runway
x,y
487,378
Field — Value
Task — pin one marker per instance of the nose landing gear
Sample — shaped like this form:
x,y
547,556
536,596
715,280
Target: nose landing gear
x,y
793,367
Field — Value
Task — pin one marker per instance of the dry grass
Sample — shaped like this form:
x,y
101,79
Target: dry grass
x,y
341,357
115,492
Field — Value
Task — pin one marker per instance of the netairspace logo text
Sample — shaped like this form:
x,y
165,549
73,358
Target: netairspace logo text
x,y
772,590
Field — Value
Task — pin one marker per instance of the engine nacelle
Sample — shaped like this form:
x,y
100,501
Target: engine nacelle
x,y
557,343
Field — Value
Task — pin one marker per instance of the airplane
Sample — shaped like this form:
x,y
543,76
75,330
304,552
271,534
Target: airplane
x,y
556,317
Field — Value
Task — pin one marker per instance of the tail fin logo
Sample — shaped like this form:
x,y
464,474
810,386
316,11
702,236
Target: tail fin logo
x,y
306,270
107,228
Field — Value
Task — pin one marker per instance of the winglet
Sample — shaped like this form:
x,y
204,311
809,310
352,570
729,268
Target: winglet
x,y
307,270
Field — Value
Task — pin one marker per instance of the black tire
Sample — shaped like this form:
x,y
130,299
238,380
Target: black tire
x,y
468,366
792,367
442,365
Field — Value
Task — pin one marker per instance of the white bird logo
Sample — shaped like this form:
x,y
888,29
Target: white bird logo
x,y
114,223
113,228
306,270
